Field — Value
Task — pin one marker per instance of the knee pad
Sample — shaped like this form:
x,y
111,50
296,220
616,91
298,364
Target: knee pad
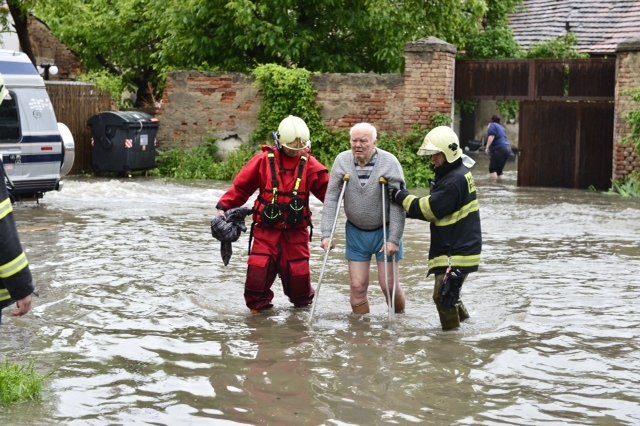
x,y
297,282
261,273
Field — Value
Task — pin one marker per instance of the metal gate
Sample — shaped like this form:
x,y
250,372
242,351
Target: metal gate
x,y
566,115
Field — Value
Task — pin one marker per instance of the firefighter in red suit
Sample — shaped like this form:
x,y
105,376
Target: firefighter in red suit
x,y
285,176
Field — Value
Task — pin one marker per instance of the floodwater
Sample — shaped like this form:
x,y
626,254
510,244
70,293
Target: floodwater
x,y
139,323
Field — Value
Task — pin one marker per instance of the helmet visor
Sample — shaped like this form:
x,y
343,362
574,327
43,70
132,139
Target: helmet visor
x,y
428,148
297,144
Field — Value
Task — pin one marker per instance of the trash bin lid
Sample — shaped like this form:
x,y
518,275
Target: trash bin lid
x,y
122,118
130,116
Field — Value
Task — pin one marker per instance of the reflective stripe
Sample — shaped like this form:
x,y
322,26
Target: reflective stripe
x,y
457,216
4,294
456,260
425,208
5,208
16,265
423,204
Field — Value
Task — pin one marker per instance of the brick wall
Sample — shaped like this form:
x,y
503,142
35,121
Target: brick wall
x,y
625,157
428,81
198,106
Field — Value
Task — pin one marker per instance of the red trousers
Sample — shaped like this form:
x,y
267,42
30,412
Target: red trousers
x,y
278,252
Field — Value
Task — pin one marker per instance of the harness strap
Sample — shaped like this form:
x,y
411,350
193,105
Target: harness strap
x,y
303,162
274,177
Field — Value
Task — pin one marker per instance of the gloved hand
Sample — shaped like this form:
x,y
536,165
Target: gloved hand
x,y
450,289
397,195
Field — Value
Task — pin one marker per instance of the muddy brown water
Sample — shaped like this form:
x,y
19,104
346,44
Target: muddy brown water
x,y
138,322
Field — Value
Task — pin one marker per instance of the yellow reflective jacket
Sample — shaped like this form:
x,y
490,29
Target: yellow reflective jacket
x,y
16,281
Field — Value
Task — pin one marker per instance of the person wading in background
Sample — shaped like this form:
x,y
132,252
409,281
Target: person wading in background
x,y
498,147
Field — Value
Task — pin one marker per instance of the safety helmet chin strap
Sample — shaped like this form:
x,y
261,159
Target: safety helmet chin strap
x,y
276,139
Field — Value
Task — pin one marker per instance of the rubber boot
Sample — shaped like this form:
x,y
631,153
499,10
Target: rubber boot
x,y
463,314
449,318
362,308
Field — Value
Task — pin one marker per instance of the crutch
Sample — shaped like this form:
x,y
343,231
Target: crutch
x,y
390,302
345,179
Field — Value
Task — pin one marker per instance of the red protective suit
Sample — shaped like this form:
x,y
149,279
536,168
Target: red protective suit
x,y
280,245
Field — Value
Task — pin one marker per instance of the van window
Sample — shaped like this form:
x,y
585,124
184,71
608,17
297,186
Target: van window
x,y
9,120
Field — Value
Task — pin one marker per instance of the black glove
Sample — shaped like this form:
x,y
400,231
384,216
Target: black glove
x,y
450,289
397,195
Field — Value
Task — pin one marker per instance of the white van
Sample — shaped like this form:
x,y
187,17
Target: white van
x,y
35,149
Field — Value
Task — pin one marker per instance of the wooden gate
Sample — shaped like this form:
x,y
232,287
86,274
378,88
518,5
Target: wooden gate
x,y
566,115
566,144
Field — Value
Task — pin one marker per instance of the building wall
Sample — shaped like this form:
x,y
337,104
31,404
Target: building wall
x,y
199,106
625,157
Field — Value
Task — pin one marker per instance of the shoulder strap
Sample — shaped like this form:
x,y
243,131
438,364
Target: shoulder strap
x,y
274,176
303,162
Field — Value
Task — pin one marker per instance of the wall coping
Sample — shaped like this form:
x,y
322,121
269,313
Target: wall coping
x,y
430,44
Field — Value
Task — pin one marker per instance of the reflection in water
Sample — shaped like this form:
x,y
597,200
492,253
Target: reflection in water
x,y
140,323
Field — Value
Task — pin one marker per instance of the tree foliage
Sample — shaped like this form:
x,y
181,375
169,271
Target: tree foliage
x,y
563,47
143,39
140,40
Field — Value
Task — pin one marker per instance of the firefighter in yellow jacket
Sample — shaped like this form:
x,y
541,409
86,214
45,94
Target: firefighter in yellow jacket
x,y
16,283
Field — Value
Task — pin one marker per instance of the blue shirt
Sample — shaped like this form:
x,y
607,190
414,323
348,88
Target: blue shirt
x,y
500,137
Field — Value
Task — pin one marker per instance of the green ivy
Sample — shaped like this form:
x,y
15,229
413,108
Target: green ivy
x,y
633,119
508,109
110,83
563,47
418,170
286,91
440,119
202,162
629,186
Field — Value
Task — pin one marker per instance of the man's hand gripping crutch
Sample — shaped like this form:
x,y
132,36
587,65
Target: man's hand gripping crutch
x,y
389,249
329,246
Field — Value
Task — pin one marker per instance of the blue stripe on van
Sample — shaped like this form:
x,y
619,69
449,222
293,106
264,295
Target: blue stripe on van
x,y
18,68
41,139
21,68
38,158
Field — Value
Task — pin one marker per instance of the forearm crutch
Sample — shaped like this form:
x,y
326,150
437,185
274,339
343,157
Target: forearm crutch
x,y
345,179
390,302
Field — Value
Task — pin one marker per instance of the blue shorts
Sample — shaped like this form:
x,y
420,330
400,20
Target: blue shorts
x,y
361,245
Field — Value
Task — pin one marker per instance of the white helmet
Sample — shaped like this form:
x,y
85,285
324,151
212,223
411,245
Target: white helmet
x,y
441,139
294,133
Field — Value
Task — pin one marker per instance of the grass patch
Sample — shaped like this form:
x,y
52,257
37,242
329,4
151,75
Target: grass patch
x,y
19,383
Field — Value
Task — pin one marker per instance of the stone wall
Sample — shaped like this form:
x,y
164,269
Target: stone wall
x,y
198,106
625,157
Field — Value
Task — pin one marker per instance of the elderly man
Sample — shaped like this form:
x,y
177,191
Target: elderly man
x,y
366,164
